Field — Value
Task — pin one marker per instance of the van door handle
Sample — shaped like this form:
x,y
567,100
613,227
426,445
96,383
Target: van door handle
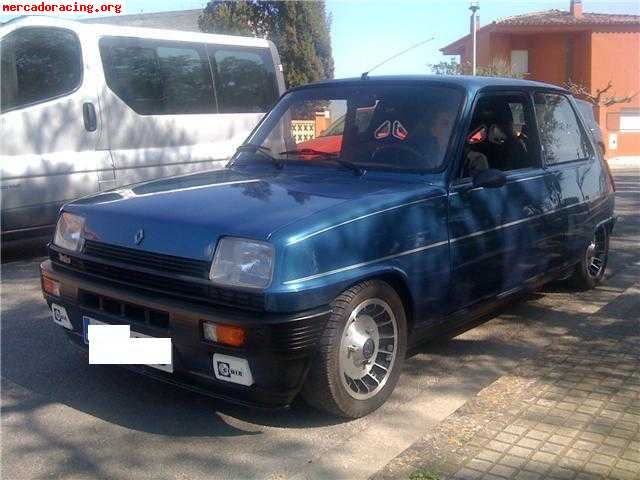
x,y
89,116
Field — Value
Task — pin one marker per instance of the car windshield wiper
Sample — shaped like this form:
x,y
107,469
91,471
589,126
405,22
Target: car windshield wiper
x,y
333,157
266,151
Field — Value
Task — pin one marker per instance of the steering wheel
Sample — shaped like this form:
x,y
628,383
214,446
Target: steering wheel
x,y
398,147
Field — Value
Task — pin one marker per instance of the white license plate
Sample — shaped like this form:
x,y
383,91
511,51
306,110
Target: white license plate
x,y
86,321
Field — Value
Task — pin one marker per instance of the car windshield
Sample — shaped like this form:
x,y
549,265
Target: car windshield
x,y
377,126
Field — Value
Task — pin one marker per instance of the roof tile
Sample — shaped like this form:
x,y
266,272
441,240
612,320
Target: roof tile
x,y
562,17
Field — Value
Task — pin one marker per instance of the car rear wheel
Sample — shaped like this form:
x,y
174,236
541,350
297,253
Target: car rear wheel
x,y
590,271
361,352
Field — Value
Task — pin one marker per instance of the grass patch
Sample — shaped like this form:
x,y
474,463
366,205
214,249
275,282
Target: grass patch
x,y
422,474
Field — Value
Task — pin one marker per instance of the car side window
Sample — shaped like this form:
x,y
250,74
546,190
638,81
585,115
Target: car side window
x,y
245,79
560,134
38,64
158,77
498,137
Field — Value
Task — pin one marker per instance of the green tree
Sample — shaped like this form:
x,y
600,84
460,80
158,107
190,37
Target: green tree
x,y
300,31
452,67
499,68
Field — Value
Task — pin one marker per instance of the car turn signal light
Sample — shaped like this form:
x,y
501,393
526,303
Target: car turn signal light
x,y
224,334
50,286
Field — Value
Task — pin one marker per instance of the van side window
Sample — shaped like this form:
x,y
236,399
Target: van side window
x,y
245,79
38,64
499,135
158,77
562,138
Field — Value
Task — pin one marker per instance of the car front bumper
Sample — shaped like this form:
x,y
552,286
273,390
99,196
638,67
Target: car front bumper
x,y
278,347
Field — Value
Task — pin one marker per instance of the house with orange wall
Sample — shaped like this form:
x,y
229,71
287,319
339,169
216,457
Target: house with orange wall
x,y
556,46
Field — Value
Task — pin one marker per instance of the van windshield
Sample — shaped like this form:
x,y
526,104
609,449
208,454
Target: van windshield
x,y
377,126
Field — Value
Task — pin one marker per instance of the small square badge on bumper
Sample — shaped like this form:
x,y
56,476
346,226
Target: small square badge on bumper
x,y
232,369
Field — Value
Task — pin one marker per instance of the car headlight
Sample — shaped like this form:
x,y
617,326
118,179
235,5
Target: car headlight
x,y
240,262
69,232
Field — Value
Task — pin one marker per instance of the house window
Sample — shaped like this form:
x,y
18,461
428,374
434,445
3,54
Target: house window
x,y
630,120
519,62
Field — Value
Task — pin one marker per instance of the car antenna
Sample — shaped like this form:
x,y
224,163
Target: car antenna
x,y
365,75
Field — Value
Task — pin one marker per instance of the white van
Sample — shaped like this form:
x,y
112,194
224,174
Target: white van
x,y
88,107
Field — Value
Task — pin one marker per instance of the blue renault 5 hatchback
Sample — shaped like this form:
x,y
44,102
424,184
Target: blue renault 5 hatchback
x,y
359,218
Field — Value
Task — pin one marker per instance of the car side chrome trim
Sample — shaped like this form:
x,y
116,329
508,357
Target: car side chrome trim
x,y
295,240
457,192
312,316
516,222
364,264
437,244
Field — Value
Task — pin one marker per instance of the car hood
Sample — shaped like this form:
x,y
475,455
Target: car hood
x,y
185,216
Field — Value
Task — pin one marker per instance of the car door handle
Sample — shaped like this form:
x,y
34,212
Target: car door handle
x,y
89,116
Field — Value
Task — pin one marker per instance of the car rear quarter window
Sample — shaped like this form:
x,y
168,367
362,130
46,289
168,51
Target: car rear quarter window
x,y
562,138
38,64
245,79
158,77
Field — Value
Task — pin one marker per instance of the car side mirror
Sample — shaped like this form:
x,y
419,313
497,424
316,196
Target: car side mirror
x,y
489,178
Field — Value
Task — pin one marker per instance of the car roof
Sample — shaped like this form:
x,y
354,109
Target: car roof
x,y
465,81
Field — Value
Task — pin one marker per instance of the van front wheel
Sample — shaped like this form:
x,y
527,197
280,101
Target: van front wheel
x,y
361,351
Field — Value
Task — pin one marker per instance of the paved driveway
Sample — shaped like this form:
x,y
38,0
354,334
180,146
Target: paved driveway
x,y
62,418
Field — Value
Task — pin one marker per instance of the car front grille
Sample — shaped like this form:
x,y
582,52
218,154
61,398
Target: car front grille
x,y
181,278
154,261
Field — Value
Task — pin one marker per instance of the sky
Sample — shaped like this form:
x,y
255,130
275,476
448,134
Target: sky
x,y
365,32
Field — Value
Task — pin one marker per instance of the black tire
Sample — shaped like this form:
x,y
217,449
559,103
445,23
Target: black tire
x,y
584,277
324,388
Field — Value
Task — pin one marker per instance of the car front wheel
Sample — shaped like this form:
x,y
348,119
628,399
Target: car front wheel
x,y
361,351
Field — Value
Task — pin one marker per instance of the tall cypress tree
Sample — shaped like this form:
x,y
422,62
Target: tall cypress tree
x,y
300,31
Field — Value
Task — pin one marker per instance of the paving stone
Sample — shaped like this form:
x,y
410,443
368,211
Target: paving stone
x,y
603,459
592,437
552,448
632,466
582,455
520,451
584,445
610,450
570,462
515,429
545,457
466,474
631,455
622,475
513,461
537,467
560,439
489,455
503,471
616,442
537,435
529,443
557,473
480,465
507,437
525,475
597,469
490,476
498,446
